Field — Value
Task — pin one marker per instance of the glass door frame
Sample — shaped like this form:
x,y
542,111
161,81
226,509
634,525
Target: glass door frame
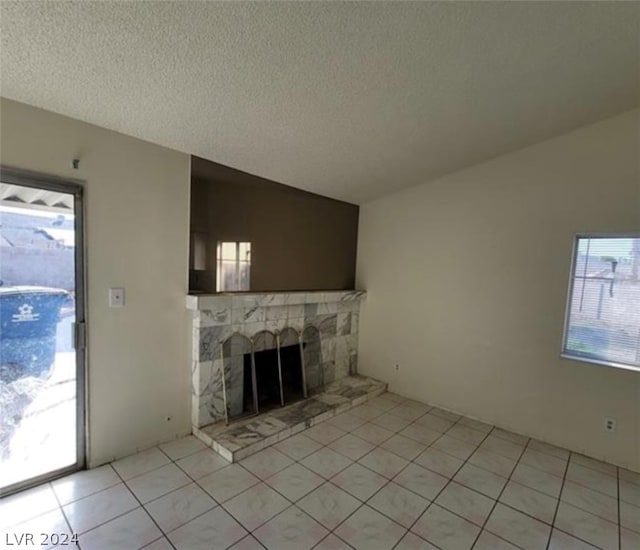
x,y
69,186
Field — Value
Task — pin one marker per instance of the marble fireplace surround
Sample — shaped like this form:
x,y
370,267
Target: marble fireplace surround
x,y
216,317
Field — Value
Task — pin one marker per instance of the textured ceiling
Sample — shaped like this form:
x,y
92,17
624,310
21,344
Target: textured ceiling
x,y
350,100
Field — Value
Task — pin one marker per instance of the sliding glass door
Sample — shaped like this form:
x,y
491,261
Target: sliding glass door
x,y
42,382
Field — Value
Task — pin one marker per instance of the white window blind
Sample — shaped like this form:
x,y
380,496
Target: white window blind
x,y
233,266
603,312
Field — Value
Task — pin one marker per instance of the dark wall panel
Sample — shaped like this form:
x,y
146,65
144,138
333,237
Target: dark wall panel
x,y
300,241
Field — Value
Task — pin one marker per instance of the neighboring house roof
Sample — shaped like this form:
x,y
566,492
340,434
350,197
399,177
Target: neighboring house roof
x,y
23,226
31,238
41,199
63,236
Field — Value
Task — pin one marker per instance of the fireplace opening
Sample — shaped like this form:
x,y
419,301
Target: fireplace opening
x,y
292,382
268,379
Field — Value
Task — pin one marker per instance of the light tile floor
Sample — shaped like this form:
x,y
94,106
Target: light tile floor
x,y
392,473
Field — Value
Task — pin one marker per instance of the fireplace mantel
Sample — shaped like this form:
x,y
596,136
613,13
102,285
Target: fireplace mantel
x,y
333,314
235,300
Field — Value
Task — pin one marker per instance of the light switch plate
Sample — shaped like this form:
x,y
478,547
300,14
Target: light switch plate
x,y
116,297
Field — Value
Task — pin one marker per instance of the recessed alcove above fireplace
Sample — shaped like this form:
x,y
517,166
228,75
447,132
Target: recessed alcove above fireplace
x,y
257,351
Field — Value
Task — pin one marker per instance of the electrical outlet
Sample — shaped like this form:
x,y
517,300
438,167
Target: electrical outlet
x,y
610,425
397,367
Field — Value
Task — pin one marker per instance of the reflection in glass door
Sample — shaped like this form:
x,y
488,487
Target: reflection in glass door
x,y
41,329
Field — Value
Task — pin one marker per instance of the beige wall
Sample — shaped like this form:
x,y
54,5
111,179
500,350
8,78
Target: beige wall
x,y
467,280
137,230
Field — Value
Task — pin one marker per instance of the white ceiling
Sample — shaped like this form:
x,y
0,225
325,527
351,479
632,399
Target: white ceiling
x,y
350,100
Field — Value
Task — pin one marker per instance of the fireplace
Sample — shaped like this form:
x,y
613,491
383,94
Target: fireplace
x,y
258,352
278,380
268,370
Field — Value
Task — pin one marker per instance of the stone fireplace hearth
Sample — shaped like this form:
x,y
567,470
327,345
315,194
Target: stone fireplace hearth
x,y
247,436
236,335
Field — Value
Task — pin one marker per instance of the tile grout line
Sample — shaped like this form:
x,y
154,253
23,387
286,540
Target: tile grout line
x,y
362,503
563,479
451,478
64,515
433,501
260,480
497,499
476,445
117,516
329,534
387,480
58,503
324,480
619,511
558,499
292,504
142,505
600,493
121,480
217,503
555,515
508,479
353,462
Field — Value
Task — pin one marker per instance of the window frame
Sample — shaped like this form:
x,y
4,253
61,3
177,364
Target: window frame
x,y
564,353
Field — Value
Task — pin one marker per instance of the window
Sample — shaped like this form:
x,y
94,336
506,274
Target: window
x,y
233,266
603,313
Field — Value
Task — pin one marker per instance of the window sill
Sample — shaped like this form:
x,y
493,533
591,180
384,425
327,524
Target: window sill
x,y
599,362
